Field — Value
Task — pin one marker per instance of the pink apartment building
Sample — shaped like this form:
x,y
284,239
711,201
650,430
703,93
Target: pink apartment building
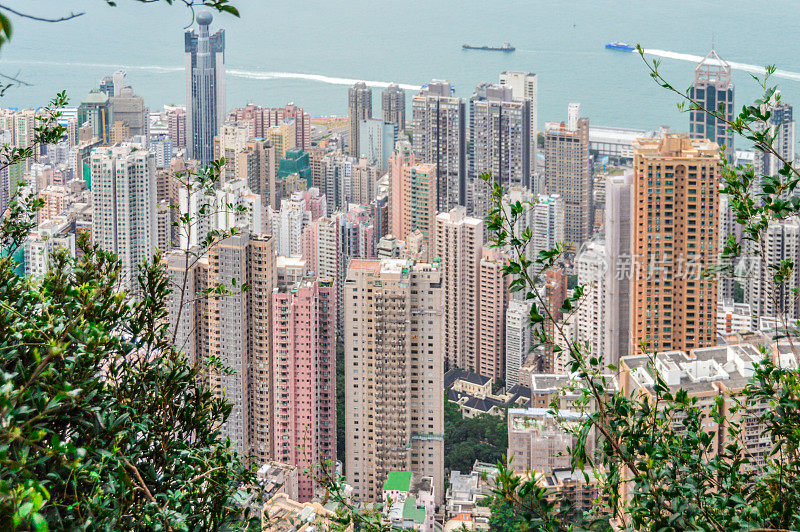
x,y
304,377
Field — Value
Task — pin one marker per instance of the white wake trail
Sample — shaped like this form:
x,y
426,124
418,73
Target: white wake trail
x,y
255,74
238,73
753,69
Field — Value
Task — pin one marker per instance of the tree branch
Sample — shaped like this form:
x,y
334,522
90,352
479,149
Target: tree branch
x,y
71,15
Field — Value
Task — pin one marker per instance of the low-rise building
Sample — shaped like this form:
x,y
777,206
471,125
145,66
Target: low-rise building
x,y
473,394
466,490
282,513
539,440
733,317
409,501
709,374
275,477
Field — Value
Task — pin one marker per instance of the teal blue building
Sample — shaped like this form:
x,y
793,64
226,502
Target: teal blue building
x,y
295,162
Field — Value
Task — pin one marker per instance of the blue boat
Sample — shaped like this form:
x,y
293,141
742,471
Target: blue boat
x,y
621,46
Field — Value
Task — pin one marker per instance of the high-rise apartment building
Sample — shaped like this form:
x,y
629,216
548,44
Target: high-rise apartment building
x,y
176,127
555,292
393,106
231,140
337,182
419,200
524,86
124,205
259,119
232,205
205,88
519,338
712,88
304,377
781,128
568,173
591,265
439,122
376,141
130,115
499,143
458,243
235,328
781,242
394,374
543,214
95,110
288,224
618,228
359,108
364,182
493,295
403,157
674,239
283,137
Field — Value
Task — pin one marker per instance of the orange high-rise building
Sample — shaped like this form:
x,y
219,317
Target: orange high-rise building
x,y
674,239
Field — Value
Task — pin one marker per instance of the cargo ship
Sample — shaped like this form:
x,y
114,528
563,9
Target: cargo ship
x,y
621,46
505,48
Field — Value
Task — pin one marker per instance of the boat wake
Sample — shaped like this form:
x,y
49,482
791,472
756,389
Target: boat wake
x,y
753,69
237,73
256,74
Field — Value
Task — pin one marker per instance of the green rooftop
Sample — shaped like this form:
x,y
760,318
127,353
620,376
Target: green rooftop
x,y
412,512
398,481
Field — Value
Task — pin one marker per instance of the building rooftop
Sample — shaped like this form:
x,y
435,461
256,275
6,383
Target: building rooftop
x,y
398,481
703,370
412,512
461,374
675,146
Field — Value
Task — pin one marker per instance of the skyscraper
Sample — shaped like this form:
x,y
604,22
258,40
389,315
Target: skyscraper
x,y
95,110
205,88
458,244
359,108
525,86
393,106
439,122
519,338
712,88
674,239
494,296
499,142
124,205
376,141
236,328
781,128
394,374
419,200
260,119
304,376
591,264
545,217
618,228
129,114
402,158
176,127
568,173
781,241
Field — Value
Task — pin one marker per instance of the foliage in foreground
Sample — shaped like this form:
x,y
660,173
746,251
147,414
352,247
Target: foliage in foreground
x,y
105,424
659,461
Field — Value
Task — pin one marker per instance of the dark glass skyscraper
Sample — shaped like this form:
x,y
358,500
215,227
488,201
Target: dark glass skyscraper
x,y
205,88
713,89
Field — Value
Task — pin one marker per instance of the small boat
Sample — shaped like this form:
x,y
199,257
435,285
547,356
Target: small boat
x,y
505,48
621,46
